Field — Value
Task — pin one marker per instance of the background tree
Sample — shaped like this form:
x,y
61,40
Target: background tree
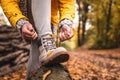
x,y
82,13
78,30
105,21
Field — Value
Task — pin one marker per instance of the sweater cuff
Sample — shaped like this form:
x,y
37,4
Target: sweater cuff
x,y
20,23
65,22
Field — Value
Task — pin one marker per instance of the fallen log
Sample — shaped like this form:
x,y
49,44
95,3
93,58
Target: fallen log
x,y
53,72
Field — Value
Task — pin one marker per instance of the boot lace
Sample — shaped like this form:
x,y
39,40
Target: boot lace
x,y
49,43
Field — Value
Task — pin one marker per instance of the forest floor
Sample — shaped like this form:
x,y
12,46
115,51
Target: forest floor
x,y
86,64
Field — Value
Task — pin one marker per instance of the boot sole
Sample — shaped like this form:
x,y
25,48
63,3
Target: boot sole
x,y
57,58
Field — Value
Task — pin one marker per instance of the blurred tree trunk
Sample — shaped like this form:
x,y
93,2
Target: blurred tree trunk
x,y
84,18
108,20
108,23
82,13
79,9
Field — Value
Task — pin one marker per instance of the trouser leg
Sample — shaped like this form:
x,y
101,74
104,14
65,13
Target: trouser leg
x,y
33,61
41,11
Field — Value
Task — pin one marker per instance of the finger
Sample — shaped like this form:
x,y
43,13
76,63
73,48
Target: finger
x,y
33,32
30,30
26,32
27,35
66,28
69,30
62,37
70,33
68,36
34,36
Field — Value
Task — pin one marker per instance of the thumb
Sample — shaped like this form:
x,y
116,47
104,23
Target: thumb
x,y
30,28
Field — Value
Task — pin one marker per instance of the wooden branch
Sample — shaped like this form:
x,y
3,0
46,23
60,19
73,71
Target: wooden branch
x,y
2,48
10,56
6,43
9,36
21,47
19,58
23,60
12,69
6,29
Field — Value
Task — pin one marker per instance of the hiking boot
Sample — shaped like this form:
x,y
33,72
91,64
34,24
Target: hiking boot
x,y
50,54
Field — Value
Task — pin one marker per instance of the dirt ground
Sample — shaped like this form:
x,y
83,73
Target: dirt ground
x,y
86,64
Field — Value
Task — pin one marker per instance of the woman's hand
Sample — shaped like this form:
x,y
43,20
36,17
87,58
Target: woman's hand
x,y
28,32
66,33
